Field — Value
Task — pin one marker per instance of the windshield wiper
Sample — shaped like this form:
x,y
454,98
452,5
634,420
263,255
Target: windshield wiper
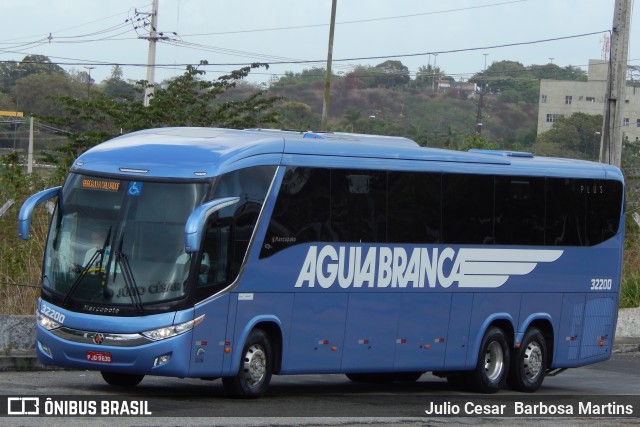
x,y
129,280
87,267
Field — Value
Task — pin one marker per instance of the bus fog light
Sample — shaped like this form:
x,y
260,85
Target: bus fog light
x,y
162,360
45,349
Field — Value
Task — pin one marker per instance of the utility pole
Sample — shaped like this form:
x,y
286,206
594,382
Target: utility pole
x,y
611,144
479,112
435,73
89,80
30,147
327,81
151,57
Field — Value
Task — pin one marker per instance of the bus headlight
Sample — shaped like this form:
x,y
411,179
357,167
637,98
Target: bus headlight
x,y
47,322
173,330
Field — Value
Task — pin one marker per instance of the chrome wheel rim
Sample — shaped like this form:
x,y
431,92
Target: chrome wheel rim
x,y
493,361
532,362
255,365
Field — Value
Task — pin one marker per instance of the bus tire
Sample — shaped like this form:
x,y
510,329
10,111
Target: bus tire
x,y
121,380
256,367
529,363
492,368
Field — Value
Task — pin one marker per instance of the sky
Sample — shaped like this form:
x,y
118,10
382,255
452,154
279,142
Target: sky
x,y
459,36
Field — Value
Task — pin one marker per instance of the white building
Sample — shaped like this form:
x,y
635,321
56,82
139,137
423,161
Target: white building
x,y
563,98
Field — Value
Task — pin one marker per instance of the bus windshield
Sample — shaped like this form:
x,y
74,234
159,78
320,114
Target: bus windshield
x,y
120,242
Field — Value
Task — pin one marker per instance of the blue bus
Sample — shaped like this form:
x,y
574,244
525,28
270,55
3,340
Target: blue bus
x,y
239,254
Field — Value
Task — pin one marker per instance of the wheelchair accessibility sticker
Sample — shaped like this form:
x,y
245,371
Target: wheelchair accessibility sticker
x,y
135,188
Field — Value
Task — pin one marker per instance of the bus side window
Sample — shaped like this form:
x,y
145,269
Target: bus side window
x,y
467,209
213,269
414,203
520,207
301,211
565,212
358,205
603,210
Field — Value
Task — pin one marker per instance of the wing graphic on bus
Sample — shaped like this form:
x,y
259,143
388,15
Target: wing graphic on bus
x,y
491,268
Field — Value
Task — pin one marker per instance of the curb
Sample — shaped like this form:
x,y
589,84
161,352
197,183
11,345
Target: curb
x,y
25,362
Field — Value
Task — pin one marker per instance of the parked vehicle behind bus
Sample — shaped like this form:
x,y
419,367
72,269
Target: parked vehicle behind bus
x,y
239,254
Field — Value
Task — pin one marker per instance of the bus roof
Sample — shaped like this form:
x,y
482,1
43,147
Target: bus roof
x,y
205,152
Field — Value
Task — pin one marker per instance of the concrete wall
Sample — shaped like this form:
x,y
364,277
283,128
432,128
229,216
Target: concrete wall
x,y
17,332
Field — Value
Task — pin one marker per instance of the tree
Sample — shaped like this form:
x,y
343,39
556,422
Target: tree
x,y
116,87
295,115
11,71
305,77
37,94
390,73
188,100
477,141
116,73
6,102
576,136
38,64
428,76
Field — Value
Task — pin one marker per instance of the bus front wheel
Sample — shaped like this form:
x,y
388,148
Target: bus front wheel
x,y
121,380
255,370
529,363
493,362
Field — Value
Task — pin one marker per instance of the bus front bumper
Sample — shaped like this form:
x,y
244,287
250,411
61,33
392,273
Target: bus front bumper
x,y
167,357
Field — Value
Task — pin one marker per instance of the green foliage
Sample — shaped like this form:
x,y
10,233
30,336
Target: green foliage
x,y
630,287
520,83
576,136
37,94
296,115
312,76
19,261
630,291
478,142
11,71
188,100
428,76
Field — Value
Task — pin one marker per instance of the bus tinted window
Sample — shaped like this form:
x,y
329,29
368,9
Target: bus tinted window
x,y
337,205
229,231
603,209
565,212
519,210
467,209
414,207
301,212
358,205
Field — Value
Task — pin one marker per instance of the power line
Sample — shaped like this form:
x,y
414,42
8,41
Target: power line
x,y
128,12
359,21
305,61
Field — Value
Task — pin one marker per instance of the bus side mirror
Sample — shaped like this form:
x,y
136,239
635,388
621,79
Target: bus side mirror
x,y
24,217
195,223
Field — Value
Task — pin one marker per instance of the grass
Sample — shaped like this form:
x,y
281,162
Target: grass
x,y
630,291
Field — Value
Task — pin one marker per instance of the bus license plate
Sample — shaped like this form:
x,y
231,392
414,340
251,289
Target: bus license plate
x,y
98,356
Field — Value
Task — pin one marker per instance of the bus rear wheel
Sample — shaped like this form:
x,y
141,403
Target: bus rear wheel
x,y
121,380
529,363
255,370
493,362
